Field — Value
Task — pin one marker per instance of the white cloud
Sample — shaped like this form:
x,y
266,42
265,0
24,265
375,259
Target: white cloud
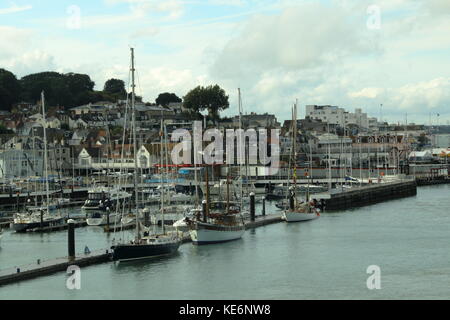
x,y
320,54
13,40
31,62
299,38
14,8
366,93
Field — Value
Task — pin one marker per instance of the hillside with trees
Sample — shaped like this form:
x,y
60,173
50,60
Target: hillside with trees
x,y
67,90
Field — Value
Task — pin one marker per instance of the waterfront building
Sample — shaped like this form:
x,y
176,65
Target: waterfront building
x,y
338,116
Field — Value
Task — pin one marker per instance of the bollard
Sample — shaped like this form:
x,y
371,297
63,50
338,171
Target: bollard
x,y
264,206
252,206
71,239
204,210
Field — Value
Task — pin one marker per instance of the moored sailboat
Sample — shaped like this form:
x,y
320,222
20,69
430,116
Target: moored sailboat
x,y
146,246
298,210
224,223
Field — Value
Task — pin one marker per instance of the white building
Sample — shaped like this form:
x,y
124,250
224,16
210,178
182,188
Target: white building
x,y
336,115
91,159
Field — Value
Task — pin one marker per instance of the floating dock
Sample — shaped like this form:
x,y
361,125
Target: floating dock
x,y
44,268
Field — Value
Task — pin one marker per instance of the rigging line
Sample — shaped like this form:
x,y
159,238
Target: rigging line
x,y
118,207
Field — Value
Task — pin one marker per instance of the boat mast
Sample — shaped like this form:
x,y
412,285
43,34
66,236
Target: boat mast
x,y
228,191
133,106
294,119
207,193
167,177
45,149
240,146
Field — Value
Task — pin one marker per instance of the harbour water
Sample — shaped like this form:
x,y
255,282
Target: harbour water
x,y
408,239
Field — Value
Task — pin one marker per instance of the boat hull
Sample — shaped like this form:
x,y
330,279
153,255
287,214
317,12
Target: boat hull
x,y
23,227
129,252
95,221
102,220
290,216
202,235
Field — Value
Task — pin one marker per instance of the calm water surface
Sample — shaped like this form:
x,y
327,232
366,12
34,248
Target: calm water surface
x,y
409,239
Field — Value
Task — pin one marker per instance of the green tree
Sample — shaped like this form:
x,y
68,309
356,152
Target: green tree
x,y
164,99
115,87
211,98
9,90
68,90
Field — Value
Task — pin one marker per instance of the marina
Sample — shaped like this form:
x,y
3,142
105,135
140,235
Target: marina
x,y
334,254
224,150
252,222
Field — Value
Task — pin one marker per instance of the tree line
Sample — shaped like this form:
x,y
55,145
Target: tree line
x,y
73,89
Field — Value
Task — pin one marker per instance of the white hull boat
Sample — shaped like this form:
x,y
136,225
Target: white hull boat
x,y
208,234
292,216
100,219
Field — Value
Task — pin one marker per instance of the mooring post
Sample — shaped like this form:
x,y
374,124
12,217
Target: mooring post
x,y
204,210
264,206
71,238
252,206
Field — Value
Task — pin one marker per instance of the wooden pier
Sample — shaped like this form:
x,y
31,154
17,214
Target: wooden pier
x,y
57,227
261,221
44,268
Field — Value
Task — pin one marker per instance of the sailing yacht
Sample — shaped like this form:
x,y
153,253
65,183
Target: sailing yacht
x,y
146,246
221,222
298,210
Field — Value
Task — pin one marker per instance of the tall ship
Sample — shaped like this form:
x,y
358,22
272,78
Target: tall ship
x,y
144,245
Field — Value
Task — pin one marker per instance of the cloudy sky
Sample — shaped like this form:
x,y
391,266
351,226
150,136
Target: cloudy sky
x,y
350,53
